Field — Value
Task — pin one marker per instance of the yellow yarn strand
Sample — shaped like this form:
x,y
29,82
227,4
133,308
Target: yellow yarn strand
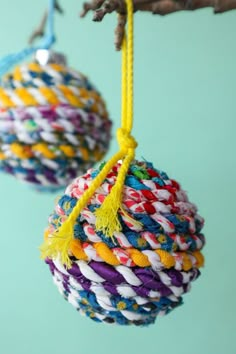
x,y
58,243
124,82
129,66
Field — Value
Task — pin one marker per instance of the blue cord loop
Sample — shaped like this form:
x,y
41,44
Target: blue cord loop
x,y
46,43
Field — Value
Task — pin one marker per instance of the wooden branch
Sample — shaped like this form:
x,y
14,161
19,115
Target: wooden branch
x,y
40,30
160,7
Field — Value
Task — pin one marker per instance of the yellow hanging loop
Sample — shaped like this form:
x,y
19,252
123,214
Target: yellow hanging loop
x,y
58,243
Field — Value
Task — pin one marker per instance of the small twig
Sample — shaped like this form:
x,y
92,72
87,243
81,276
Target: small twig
x,y
119,31
109,7
91,6
58,7
40,30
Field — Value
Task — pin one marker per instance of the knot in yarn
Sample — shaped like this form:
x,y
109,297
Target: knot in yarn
x,y
126,140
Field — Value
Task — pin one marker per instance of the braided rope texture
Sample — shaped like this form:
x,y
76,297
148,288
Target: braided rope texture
x,y
53,125
142,271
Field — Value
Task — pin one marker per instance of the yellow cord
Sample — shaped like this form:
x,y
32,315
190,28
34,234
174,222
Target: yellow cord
x,y
58,244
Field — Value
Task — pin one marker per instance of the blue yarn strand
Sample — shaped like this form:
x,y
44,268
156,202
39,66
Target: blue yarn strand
x,y
46,43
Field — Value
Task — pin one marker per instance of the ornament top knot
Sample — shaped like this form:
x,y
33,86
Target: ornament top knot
x,y
53,124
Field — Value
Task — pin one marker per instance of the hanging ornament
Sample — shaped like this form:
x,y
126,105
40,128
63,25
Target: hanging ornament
x,y
53,122
124,242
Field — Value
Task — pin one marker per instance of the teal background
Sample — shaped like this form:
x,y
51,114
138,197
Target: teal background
x,y
185,122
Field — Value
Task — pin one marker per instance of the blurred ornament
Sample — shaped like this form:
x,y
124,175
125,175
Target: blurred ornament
x,y
53,123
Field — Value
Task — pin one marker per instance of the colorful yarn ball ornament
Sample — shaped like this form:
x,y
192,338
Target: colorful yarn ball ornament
x,y
53,122
53,125
124,242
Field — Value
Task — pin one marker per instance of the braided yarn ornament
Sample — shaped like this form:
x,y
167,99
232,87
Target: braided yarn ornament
x,y
143,270
124,242
53,125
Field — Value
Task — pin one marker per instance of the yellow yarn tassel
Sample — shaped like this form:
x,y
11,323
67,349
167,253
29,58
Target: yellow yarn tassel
x,y
58,244
107,219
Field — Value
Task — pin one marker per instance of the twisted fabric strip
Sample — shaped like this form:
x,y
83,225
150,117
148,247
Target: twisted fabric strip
x,y
115,295
130,283
115,309
53,125
45,95
158,259
44,150
128,238
63,123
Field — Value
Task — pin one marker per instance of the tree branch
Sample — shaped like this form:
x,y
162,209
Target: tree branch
x,y
40,30
160,7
